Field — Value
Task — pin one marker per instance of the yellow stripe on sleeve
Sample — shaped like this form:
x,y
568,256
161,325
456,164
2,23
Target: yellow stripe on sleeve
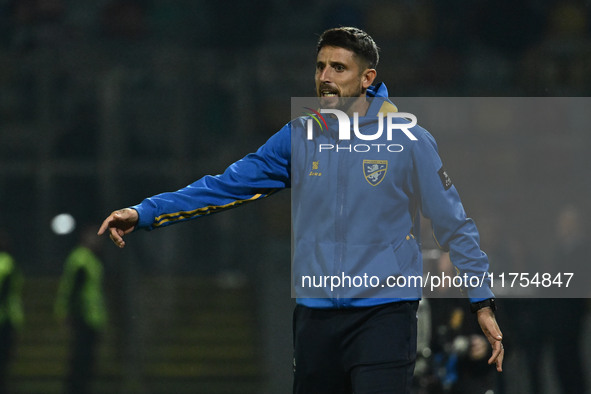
x,y
183,215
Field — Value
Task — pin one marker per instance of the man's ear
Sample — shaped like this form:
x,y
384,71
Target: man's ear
x,y
369,75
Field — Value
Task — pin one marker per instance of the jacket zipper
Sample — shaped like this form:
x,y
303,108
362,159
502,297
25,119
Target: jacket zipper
x,y
339,222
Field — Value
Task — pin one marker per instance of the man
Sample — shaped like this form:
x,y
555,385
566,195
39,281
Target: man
x,y
344,343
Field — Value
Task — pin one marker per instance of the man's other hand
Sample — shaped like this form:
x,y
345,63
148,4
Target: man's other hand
x,y
490,328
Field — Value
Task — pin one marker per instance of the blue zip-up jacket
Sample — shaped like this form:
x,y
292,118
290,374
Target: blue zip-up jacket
x,y
354,212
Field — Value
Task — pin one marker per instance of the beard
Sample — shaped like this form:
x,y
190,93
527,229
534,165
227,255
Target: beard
x,y
341,100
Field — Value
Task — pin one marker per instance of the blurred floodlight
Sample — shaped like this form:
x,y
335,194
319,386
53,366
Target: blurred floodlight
x,y
63,223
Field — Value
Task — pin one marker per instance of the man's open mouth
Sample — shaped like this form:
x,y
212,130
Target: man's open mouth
x,y
328,93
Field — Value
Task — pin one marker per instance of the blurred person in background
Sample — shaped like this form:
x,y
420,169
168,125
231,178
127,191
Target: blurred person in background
x,y
458,346
80,300
11,309
571,250
563,331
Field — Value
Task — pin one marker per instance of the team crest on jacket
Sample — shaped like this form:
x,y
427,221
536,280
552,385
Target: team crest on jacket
x,y
375,171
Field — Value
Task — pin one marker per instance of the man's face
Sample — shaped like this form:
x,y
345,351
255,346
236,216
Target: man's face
x,y
339,73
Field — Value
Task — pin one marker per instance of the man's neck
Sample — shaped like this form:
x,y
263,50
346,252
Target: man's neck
x,y
359,105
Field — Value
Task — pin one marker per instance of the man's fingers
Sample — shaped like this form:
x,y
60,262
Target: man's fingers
x,y
105,225
119,223
498,349
498,355
108,222
500,360
115,237
490,328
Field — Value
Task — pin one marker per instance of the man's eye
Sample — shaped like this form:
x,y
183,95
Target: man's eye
x,y
339,67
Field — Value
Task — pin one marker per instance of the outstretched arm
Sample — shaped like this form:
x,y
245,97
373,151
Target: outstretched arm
x,y
490,328
256,176
119,223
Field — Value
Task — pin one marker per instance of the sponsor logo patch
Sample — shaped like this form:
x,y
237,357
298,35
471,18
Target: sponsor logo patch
x,y
445,179
315,169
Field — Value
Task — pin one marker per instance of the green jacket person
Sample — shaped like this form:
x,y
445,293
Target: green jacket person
x,y
80,299
11,309
80,293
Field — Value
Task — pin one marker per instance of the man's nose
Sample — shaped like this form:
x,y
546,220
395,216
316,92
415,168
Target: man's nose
x,y
324,75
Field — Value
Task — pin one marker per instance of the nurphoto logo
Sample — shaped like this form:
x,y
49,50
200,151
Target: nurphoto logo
x,y
345,124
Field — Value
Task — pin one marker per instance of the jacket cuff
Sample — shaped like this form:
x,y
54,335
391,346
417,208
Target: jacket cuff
x,y
144,218
481,293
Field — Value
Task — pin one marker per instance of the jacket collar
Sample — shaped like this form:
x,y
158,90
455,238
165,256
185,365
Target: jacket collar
x,y
379,100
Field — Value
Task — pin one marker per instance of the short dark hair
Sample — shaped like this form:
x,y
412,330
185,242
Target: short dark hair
x,y
353,39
